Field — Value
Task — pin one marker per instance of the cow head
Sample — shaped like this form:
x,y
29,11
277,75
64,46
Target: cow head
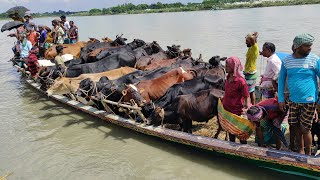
x,y
154,47
186,75
136,43
59,87
215,61
132,93
109,89
119,41
106,39
157,117
86,88
174,51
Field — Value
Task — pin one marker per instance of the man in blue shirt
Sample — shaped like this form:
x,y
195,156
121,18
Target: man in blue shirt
x,y
301,68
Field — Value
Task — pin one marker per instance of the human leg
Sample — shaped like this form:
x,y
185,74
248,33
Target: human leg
x,y
232,137
305,121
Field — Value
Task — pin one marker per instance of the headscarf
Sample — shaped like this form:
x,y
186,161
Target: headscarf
x,y
252,37
256,113
301,39
235,64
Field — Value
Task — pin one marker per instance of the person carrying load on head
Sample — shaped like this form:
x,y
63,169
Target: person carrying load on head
x,y
268,82
236,90
271,123
250,68
302,69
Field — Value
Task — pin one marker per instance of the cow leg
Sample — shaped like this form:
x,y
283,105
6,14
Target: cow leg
x,y
186,124
219,129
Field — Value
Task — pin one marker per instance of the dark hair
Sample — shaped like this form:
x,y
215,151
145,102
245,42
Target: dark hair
x,y
71,22
270,46
63,17
59,49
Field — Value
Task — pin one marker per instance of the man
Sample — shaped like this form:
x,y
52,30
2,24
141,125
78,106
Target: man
x,y
73,33
250,68
268,84
302,69
42,37
65,26
27,23
58,60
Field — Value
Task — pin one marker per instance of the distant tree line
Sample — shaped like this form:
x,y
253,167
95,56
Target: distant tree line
x,y
130,8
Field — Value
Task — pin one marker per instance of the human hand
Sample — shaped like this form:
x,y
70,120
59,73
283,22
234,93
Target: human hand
x,y
282,106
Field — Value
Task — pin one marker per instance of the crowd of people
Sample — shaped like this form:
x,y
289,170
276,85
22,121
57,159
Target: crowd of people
x,y
41,37
289,88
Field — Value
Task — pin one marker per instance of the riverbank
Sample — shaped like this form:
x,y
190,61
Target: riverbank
x,y
174,7
178,7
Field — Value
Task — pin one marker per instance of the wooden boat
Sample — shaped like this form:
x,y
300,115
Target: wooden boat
x,y
283,161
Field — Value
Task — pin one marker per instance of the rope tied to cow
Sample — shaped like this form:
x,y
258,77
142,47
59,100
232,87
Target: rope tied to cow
x,y
92,88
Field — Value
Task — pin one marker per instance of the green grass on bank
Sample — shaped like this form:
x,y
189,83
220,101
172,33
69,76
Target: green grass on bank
x,y
175,7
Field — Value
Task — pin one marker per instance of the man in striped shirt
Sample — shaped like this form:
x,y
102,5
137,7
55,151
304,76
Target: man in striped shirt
x,y
301,68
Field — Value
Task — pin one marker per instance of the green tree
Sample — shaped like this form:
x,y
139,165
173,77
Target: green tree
x,y
95,11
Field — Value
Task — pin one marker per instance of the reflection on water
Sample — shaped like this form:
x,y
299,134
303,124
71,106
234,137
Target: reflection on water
x,y
42,139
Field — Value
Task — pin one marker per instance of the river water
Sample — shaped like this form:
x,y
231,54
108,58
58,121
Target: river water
x,y
42,139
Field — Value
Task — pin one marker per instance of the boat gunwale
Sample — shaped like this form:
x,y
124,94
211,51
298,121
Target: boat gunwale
x,y
284,160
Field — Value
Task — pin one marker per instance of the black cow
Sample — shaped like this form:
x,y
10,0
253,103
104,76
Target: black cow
x,y
113,61
200,106
136,43
189,87
119,41
315,131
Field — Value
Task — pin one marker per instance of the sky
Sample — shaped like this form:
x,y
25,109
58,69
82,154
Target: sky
x,y
75,5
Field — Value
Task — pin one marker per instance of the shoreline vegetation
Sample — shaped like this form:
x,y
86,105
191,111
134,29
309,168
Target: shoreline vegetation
x,y
159,7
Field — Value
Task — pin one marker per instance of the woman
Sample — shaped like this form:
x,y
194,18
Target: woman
x,y
271,123
236,90
58,35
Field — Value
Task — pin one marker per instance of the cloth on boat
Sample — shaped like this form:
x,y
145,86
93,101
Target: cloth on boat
x,y
301,39
251,80
302,113
241,127
234,63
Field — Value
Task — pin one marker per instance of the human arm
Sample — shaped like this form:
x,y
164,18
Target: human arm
x,y
245,94
281,84
259,134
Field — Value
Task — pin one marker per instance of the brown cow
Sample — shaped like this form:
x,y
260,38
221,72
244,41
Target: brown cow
x,y
155,88
65,85
73,49
160,63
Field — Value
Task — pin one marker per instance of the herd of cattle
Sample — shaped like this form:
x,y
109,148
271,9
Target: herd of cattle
x,y
170,86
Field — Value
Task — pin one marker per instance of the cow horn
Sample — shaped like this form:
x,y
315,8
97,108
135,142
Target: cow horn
x,y
124,92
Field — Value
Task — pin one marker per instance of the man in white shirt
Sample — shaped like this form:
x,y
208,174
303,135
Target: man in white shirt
x,y
270,76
